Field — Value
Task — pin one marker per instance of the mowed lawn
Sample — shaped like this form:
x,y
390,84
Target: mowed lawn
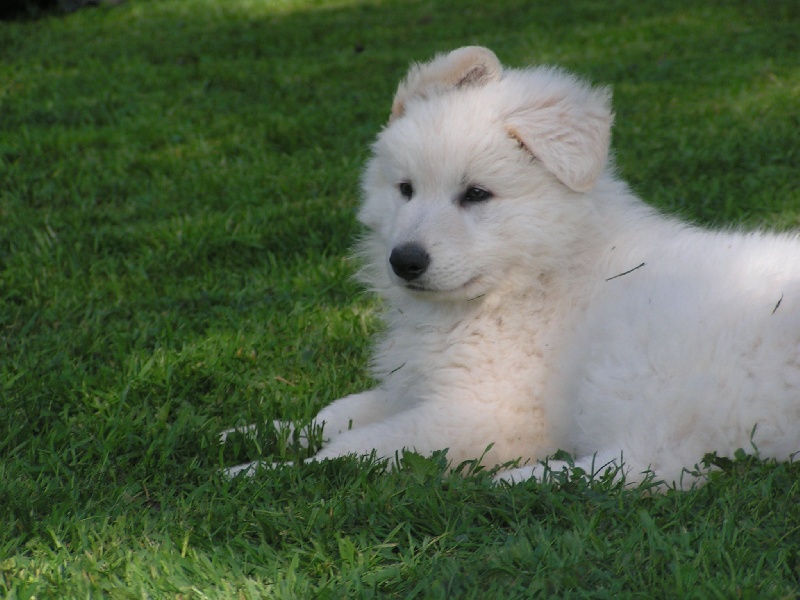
x,y
178,182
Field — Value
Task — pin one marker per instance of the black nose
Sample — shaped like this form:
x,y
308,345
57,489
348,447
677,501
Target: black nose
x,y
409,261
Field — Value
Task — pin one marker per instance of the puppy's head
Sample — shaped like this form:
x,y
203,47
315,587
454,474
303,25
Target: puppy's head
x,y
473,180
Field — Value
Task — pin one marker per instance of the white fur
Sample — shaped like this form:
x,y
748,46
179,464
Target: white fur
x,y
562,313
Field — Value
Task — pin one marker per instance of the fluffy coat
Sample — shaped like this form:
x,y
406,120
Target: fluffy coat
x,y
534,304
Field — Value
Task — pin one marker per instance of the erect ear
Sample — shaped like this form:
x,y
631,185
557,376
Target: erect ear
x,y
566,125
468,66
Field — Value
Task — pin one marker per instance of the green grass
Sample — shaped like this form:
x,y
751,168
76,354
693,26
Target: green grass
x,y
178,180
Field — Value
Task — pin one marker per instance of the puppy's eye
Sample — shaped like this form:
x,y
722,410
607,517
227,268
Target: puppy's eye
x,y
476,194
406,190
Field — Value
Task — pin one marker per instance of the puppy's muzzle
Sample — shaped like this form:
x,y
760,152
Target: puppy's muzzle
x,y
409,261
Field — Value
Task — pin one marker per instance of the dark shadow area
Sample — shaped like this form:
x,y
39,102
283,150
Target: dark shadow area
x,y
11,10
26,9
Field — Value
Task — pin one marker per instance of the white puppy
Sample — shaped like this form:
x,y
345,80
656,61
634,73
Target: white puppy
x,y
533,303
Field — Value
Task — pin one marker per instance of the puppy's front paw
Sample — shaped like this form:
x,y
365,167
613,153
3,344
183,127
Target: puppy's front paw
x,y
245,430
246,469
250,469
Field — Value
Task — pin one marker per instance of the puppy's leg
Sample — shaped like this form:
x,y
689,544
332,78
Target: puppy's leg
x,y
352,412
342,415
422,427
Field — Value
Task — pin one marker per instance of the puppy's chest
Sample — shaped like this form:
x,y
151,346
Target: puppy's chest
x,y
497,341
495,353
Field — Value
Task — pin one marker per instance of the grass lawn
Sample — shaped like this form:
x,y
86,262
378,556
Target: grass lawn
x,y
178,180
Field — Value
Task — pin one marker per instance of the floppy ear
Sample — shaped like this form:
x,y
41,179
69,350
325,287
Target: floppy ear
x,y
468,66
567,126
